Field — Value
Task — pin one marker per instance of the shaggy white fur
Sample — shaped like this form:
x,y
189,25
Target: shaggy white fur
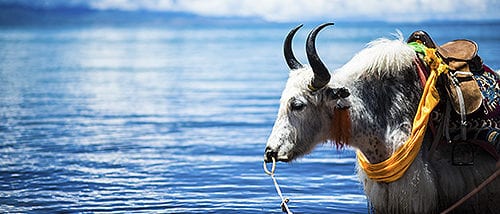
x,y
382,57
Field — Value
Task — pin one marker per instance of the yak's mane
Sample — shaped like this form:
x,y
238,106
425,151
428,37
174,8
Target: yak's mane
x,y
381,57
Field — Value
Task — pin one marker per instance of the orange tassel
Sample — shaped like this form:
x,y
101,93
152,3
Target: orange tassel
x,y
341,127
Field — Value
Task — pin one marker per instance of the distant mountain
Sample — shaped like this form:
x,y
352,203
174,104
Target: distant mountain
x,y
24,15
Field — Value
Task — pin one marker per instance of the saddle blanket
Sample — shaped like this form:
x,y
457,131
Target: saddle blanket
x,y
489,84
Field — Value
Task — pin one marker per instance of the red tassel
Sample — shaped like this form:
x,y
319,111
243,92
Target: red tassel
x,y
341,127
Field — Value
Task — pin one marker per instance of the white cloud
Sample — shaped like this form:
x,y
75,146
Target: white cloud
x,y
304,10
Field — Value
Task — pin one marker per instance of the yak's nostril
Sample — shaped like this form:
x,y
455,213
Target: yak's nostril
x,y
269,154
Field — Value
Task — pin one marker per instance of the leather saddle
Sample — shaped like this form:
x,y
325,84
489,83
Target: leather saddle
x,y
463,61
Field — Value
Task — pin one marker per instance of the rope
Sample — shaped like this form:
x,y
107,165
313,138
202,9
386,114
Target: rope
x,y
476,190
284,201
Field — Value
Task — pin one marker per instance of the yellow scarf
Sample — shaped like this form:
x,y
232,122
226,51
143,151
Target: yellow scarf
x,y
395,166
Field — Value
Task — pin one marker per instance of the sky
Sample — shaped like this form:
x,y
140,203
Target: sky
x,y
297,10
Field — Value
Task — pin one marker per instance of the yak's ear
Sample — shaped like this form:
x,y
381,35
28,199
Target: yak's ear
x,y
336,93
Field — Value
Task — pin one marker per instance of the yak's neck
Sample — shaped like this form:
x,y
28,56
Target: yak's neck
x,y
382,112
385,92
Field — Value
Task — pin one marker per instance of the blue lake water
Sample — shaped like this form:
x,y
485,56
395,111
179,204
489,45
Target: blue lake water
x,y
170,120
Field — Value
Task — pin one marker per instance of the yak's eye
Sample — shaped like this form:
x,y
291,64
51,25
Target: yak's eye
x,y
297,105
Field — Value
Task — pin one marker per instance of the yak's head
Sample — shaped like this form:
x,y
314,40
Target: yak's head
x,y
306,106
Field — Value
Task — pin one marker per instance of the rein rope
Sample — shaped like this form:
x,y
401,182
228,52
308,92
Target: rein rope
x,y
284,201
476,190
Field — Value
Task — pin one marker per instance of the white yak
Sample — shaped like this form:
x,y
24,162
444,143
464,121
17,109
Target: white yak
x,y
380,89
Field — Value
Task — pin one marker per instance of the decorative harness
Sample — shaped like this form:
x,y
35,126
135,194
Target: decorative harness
x,y
398,163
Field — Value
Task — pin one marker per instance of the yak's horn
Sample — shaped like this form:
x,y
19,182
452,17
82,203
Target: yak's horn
x,y
292,62
321,74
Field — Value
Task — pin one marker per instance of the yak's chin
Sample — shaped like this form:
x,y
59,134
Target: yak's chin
x,y
284,158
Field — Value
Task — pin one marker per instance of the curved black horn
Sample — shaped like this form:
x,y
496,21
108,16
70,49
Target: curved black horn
x,y
321,74
292,62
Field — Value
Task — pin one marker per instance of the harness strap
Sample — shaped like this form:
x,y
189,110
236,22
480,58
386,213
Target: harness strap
x,y
446,120
421,71
437,138
463,117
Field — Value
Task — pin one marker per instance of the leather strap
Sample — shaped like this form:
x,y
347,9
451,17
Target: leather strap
x,y
463,117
